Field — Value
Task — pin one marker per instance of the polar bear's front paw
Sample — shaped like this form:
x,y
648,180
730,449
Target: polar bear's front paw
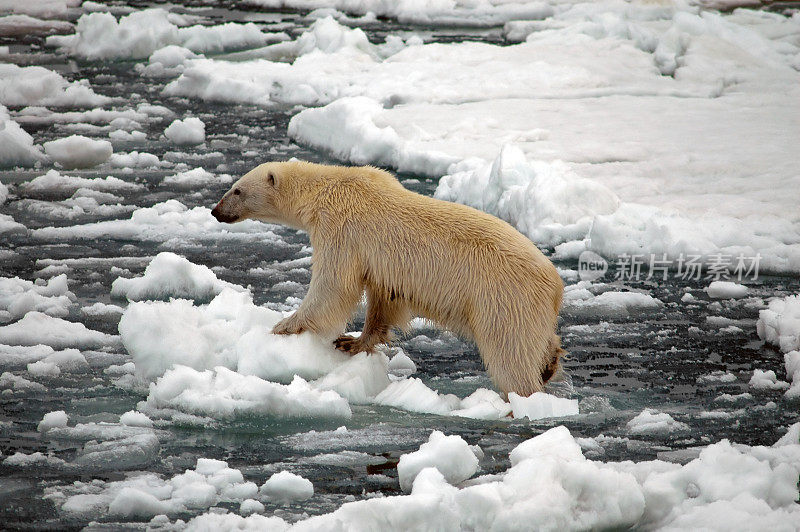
x,y
350,345
288,325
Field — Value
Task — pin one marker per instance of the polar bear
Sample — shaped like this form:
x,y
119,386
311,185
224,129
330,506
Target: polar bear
x,y
413,255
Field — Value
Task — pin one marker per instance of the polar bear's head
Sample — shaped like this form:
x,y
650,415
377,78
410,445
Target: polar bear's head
x,y
264,193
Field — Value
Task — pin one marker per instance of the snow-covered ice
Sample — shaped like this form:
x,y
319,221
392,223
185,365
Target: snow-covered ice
x,y
77,151
170,275
189,131
287,487
450,455
652,422
39,328
18,296
726,290
139,34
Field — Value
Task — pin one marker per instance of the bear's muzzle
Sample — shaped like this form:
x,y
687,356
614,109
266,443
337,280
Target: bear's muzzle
x,y
221,217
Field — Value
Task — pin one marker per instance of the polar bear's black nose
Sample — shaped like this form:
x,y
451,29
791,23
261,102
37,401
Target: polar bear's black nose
x,y
215,213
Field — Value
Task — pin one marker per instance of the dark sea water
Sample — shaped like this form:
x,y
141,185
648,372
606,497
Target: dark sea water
x,y
617,366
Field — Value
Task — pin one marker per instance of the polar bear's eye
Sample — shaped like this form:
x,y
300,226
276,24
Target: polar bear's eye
x,y
237,191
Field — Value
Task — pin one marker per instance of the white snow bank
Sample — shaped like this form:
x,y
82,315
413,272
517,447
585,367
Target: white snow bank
x,y
186,132
550,483
450,455
146,495
652,422
38,328
571,97
136,36
53,181
35,85
725,290
77,151
162,222
545,201
19,296
16,145
287,487
51,420
170,275
223,394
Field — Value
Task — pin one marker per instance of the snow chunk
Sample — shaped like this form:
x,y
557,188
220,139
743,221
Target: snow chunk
x,y
77,151
161,222
358,379
195,178
102,309
412,394
556,443
222,393
134,159
35,85
19,296
230,331
581,302
779,324
542,405
726,290
401,365
653,422
38,328
287,487
766,380
16,145
9,381
53,181
251,506
792,359
20,459
52,364
170,275
132,418
186,132
440,13
146,495
51,420
450,455
138,35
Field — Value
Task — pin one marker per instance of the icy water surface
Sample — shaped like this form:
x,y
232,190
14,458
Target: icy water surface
x,y
668,359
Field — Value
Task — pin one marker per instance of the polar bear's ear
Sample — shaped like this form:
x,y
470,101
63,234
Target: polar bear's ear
x,y
271,179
